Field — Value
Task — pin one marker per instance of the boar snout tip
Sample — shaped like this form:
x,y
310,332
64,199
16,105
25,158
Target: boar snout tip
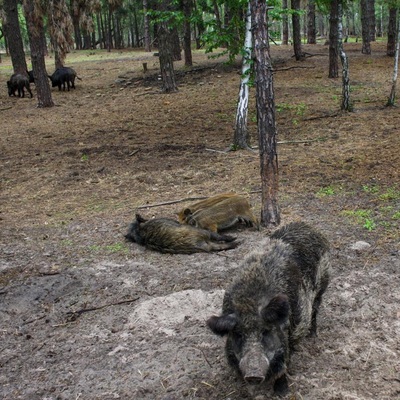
x,y
252,379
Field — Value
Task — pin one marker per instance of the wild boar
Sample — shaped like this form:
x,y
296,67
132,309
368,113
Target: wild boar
x,y
210,201
18,82
222,215
169,236
273,303
64,76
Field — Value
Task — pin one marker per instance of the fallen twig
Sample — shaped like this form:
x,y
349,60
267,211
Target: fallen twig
x,y
73,315
6,108
320,139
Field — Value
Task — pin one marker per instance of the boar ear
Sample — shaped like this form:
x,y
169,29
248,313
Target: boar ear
x,y
223,324
277,309
139,218
186,212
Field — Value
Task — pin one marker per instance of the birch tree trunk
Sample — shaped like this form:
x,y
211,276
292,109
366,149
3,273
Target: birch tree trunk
x,y
392,96
241,137
346,104
265,115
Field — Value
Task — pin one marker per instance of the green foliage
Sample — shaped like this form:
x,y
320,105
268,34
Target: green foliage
x,y
326,191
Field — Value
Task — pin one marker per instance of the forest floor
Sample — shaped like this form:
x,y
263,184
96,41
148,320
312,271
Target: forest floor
x,y
86,315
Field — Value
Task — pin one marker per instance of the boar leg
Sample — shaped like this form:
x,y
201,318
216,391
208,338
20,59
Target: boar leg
x,y
281,386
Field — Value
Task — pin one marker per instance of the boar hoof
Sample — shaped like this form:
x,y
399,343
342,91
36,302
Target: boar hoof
x,y
281,386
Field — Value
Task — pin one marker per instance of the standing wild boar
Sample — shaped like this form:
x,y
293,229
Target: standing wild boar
x,y
222,215
18,82
169,236
273,303
64,76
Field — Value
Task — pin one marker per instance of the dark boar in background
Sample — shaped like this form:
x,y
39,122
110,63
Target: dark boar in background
x,y
169,236
30,76
273,303
63,76
18,82
222,215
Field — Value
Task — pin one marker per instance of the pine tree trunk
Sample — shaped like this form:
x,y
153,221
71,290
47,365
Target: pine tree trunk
x,y
298,52
166,61
365,27
187,37
391,40
241,137
392,97
147,45
285,23
346,105
34,22
265,115
333,39
14,39
311,29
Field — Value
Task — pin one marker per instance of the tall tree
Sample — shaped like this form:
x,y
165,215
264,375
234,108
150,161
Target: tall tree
x,y
285,22
298,51
34,13
346,104
60,29
147,41
311,25
14,39
365,26
333,39
270,214
241,137
187,6
392,96
391,40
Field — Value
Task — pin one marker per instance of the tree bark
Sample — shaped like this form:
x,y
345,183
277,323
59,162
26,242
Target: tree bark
x,y
187,6
346,104
298,51
241,137
270,214
392,96
147,45
285,23
365,27
34,22
311,28
12,32
166,61
391,40
333,40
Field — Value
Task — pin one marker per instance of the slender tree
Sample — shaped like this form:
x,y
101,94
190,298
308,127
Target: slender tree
x,y
187,6
146,18
365,27
346,104
285,23
241,137
392,96
391,40
34,20
14,39
311,25
298,51
333,39
270,214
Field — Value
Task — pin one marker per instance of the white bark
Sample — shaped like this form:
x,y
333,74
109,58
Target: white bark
x,y
241,139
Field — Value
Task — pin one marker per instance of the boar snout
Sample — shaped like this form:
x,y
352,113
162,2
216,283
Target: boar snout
x,y
254,366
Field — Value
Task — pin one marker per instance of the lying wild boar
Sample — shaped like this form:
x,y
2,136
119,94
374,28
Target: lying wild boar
x,y
206,203
169,236
221,215
273,303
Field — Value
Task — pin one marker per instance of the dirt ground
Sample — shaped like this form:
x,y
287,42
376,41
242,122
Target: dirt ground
x,y
86,315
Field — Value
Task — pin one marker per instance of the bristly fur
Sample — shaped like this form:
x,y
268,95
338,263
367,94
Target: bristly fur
x,y
276,297
169,236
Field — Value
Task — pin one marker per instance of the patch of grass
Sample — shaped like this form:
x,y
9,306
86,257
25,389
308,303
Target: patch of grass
x,y
370,188
84,157
390,194
326,191
362,217
396,215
